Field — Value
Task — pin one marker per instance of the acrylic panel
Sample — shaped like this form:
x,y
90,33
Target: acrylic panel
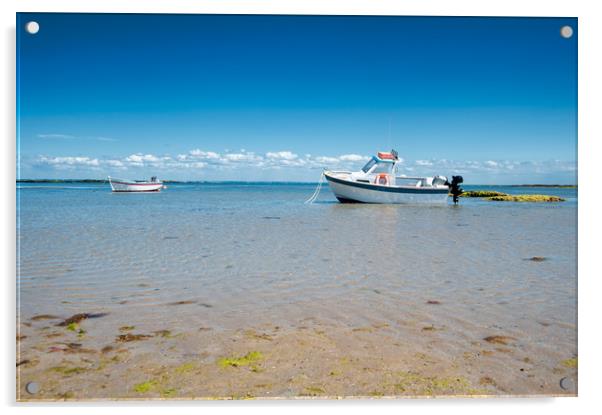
x,y
282,206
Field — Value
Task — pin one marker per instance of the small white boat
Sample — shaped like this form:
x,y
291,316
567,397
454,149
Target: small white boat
x,y
377,182
125,185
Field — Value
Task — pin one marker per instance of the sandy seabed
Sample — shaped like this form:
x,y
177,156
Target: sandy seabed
x,y
311,359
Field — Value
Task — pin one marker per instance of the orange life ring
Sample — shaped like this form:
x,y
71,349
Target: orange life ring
x,y
382,179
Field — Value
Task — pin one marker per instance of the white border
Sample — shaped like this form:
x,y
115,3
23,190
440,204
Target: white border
x,y
590,136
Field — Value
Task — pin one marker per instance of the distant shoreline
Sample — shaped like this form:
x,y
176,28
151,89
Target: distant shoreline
x,y
562,186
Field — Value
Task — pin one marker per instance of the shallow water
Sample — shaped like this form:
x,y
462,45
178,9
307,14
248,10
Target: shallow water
x,y
243,255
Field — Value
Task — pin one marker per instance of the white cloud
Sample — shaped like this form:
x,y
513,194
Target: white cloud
x,y
281,155
236,162
327,160
196,165
203,154
423,163
59,136
352,157
70,162
141,158
114,163
239,157
201,159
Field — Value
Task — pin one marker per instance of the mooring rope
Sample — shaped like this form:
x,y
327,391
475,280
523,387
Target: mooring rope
x,y
313,197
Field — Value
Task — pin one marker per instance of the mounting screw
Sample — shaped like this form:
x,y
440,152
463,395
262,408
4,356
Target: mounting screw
x,y
566,32
32,388
32,27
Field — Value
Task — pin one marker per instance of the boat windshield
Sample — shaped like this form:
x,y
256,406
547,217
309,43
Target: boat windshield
x,y
383,168
369,165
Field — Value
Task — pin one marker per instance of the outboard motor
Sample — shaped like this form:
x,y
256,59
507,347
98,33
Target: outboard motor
x,y
454,187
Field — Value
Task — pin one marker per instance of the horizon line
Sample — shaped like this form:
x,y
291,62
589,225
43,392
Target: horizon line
x,y
272,182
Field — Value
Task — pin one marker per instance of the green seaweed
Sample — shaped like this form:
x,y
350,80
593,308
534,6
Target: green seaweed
x,y
570,363
482,193
127,328
66,395
76,318
44,317
505,340
526,198
129,337
168,393
363,329
72,326
184,368
145,386
314,390
259,336
246,360
68,370
487,381
246,396
255,369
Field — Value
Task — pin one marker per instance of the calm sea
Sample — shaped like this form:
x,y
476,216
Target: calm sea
x,y
243,254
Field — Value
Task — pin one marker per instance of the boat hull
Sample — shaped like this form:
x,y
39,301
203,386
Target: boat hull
x,y
122,186
347,191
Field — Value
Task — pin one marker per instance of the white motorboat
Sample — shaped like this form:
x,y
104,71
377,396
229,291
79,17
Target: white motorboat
x,y
377,182
125,185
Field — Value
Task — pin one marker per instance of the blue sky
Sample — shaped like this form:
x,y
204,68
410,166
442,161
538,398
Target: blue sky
x,y
210,97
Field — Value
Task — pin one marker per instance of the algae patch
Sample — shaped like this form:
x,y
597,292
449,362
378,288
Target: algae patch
x,y
313,391
76,318
487,381
67,371
44,317
505,340
246,360
526,198
259,336
184,368
163,333
145,386
505,197
168,393
129,337
570,363
483,193
72,326
127,328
